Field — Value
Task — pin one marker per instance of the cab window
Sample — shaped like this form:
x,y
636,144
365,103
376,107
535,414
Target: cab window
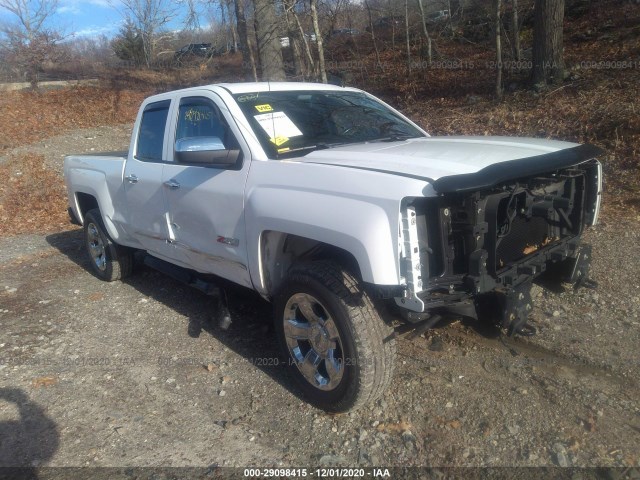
x,y
199,117
151,135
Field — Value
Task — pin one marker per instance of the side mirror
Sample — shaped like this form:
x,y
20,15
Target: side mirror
x,y
205,151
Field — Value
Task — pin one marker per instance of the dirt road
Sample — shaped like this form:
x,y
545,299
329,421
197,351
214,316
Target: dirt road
x,y
140,374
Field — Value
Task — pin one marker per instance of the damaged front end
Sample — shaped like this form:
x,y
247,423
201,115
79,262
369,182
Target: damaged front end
x,y
475,251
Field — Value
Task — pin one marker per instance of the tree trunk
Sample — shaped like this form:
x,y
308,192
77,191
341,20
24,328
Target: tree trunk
x,y
269,48
393,25
548,61
498,25
426,32
223,21
293,34
373,35
406,30
248,61
147,42
515,26
305,42
233,25
316,29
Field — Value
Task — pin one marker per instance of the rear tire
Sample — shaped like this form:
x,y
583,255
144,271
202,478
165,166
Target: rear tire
x,y
109,261
340,351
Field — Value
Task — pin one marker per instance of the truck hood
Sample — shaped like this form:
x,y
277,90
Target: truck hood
x,y
457,163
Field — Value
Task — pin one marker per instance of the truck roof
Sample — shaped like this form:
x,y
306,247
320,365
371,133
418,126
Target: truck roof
x,y
249,87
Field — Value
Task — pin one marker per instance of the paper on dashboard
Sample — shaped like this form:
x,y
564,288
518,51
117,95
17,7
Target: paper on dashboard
x,y
277,124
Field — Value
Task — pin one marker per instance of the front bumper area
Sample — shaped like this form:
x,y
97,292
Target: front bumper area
x,y
492,244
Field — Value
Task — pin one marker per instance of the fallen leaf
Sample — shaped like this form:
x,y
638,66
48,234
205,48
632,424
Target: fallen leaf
x,y
399,427
44,381
211,367
455,424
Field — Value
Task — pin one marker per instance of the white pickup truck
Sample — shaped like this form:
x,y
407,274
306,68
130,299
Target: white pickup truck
x,y
342,212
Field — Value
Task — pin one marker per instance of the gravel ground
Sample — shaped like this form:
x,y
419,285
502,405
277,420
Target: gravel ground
x,y
139,373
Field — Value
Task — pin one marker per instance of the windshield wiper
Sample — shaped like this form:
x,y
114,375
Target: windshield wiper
x,y
394,137
311,148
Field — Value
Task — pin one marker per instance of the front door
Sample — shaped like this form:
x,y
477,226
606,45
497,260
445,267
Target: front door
x,y
206,202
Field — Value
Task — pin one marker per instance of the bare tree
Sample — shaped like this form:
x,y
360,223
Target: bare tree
x,y
232,25
227,18
248,59
515,26
425,31
30,40
318,33
295,38
32,16
373,35
548,60
498,32
192,19
305,41
268,36
406,30
333,10
148,17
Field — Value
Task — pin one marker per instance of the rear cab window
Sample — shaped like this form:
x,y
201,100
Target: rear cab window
x,y
151,135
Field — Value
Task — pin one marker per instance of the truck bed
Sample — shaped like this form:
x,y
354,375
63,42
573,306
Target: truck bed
x,y
122,154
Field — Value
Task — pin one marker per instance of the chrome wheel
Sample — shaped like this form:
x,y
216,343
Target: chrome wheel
x,y
96,247
313,341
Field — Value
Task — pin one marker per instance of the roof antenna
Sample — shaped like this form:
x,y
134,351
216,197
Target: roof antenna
x,y
273,121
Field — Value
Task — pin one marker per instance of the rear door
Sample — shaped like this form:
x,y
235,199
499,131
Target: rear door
x,y
146,211
206,202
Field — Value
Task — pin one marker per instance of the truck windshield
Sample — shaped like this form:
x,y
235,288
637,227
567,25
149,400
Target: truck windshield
x,y
293,123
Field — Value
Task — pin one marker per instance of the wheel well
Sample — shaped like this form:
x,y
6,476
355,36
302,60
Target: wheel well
x,y
279,251
86,202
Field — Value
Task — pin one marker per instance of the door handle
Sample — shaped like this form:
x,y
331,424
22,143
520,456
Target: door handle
x,y
172,184
132,178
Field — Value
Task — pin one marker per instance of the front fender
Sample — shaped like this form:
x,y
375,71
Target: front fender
x,y
367,231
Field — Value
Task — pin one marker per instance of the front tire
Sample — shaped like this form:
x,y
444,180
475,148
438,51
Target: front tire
x,y
109,261
340,351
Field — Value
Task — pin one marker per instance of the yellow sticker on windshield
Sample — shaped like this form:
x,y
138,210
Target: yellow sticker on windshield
x,y
279,140
281,150
264,108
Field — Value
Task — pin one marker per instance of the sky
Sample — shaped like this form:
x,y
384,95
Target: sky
x,y
86,18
